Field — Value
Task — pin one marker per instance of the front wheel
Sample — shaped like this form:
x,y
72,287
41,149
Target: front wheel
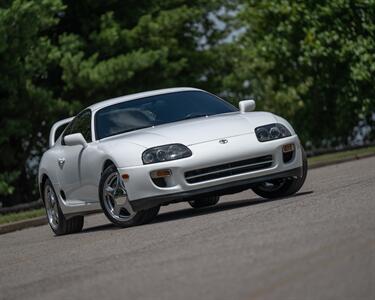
x,y
285,186
56,219
115,202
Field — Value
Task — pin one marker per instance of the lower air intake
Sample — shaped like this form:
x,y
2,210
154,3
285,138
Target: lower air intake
x,y
229,169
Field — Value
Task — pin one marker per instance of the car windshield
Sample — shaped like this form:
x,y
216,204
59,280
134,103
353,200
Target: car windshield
x,y
156,110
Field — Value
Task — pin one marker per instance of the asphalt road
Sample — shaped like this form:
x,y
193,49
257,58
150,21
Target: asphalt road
x,y
319,244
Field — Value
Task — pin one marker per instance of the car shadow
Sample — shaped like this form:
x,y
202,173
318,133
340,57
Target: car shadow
x,y
191,212
229,205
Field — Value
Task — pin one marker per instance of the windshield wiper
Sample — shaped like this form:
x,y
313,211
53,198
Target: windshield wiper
x,y
193,116
190,116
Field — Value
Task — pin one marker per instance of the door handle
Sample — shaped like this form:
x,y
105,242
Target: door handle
x,y
61,162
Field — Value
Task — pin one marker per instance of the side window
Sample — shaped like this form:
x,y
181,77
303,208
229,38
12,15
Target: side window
x,y
81,124
59,131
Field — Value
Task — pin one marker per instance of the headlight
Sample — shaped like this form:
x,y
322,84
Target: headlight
x,y
165,153
271,132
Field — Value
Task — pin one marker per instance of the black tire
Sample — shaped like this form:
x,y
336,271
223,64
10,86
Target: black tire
x,y
62,225
283,187
140,217
204,202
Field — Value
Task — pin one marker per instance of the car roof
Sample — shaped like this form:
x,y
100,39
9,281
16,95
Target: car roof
x,y
112,101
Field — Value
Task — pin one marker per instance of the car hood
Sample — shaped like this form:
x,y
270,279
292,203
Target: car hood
x,y
199,130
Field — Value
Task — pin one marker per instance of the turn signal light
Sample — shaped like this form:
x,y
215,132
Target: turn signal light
x,y
125,176
161,173
288,148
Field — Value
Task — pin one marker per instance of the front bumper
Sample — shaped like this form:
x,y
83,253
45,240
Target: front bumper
x,y
144,193
222,189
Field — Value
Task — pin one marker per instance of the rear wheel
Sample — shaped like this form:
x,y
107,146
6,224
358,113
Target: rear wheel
x,y
56,219
204,202
115,202
284,186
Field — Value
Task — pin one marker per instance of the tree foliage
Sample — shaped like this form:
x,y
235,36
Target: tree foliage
x,y
58,56
25,101
310,61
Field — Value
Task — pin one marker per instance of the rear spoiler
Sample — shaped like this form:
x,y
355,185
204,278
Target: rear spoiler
x,y
54,129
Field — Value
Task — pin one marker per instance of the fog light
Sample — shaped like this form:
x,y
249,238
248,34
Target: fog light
x,y
161,173
288,148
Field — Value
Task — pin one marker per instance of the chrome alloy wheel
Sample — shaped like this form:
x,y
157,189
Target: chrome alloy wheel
x,y
51,207
116,199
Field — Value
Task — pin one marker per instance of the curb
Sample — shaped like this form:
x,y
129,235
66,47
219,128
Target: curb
x,y
22,207
38,221
10,227
339,161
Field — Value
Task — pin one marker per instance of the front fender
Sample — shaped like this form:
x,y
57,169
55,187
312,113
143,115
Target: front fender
x,y
122,153
284,122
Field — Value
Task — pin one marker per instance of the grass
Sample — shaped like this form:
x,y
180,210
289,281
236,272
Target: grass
x,y
24,215
325,158
334,157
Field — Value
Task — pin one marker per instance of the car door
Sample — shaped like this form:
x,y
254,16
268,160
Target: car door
x,y
72,160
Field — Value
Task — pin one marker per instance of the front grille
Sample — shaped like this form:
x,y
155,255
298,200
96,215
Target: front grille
x,y
229,169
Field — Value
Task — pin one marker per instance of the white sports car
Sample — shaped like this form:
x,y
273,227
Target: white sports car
x,y
129,155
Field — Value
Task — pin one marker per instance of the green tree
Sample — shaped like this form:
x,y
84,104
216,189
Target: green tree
x,y
310,61
58,56
24,61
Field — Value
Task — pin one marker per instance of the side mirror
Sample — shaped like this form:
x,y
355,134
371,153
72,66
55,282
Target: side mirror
x,y
75,139
246,106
